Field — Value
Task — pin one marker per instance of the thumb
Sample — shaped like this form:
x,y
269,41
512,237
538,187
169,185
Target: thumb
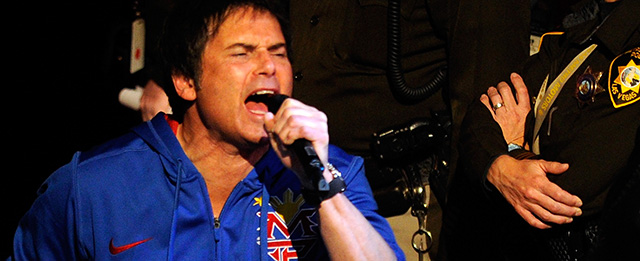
x,y
553,167
269,122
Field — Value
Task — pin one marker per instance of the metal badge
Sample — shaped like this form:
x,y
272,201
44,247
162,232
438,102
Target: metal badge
x,y
587,86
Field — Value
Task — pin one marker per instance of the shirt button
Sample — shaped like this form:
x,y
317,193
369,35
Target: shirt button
x,y
298,76
314,20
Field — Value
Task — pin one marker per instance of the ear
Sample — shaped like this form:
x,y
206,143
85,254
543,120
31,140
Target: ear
x,y
185,87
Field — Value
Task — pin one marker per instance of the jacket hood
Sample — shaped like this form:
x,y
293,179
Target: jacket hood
x,y
157,133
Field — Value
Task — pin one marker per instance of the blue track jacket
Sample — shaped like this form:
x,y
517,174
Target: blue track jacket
x,y
139,197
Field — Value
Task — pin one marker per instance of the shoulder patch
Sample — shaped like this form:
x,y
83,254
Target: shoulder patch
x,y
624,78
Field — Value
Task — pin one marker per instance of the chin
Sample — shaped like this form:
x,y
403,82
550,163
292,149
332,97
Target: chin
x,y
261,139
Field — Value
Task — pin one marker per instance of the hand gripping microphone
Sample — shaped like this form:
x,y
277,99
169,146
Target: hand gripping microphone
x,y
313,167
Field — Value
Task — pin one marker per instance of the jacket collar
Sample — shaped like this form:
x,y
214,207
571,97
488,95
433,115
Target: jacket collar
x,y
159,135
615,32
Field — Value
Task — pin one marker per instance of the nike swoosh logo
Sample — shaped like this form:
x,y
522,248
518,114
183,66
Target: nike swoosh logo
x,y
114,250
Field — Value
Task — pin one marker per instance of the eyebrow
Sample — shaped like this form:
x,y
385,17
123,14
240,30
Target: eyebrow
x,y
250,47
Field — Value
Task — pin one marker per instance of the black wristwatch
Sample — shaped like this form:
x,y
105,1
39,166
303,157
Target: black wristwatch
x,y
317,195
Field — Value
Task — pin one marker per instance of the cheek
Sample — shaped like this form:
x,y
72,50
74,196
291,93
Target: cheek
x,y
285,78
286,87
222,84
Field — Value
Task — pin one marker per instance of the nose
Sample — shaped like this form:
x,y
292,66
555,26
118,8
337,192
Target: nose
x,y
265,64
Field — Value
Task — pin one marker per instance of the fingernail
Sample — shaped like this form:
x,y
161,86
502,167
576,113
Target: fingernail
x,y
578,212
569,219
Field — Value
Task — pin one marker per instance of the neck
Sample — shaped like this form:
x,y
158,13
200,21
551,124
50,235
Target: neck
x,y
215,155
222,164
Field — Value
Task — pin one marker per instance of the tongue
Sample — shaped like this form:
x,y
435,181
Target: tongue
x,y
256,106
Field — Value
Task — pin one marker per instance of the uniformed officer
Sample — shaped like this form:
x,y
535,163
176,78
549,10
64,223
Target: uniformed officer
x,y
563,184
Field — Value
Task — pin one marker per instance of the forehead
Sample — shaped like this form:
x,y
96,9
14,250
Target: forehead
x,y
248,21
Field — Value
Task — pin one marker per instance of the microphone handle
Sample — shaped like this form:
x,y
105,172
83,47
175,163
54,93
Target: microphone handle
x,y
305,152
311,164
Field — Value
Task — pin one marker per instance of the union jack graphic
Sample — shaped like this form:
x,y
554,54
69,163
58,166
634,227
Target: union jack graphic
x,y
292,233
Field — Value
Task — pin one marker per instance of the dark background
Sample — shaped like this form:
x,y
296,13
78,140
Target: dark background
x,y
61,81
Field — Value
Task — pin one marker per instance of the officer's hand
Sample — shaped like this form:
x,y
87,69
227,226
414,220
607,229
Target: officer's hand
x,y
525,186
512,115
153,100
295,120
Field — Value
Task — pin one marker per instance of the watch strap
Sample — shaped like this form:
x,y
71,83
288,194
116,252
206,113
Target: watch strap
x,y
521,154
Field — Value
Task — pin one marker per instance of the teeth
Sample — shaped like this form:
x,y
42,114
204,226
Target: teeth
x,y
263,92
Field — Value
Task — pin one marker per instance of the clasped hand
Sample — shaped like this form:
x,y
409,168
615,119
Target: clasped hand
x,y
524,183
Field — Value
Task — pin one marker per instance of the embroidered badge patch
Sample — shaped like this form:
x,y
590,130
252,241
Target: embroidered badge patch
x,y
624,78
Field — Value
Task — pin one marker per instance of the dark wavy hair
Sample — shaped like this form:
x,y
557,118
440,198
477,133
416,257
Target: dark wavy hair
x,y
190,25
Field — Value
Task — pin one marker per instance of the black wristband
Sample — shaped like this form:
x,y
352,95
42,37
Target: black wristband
x,y
337,185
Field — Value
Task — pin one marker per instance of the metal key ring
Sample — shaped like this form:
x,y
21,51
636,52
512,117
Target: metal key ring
x,y
418,246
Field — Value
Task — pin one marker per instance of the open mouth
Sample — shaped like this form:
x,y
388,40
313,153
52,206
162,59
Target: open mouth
x,y
259,101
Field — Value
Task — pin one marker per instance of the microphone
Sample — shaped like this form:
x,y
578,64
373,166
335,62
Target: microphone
x,y
303,149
